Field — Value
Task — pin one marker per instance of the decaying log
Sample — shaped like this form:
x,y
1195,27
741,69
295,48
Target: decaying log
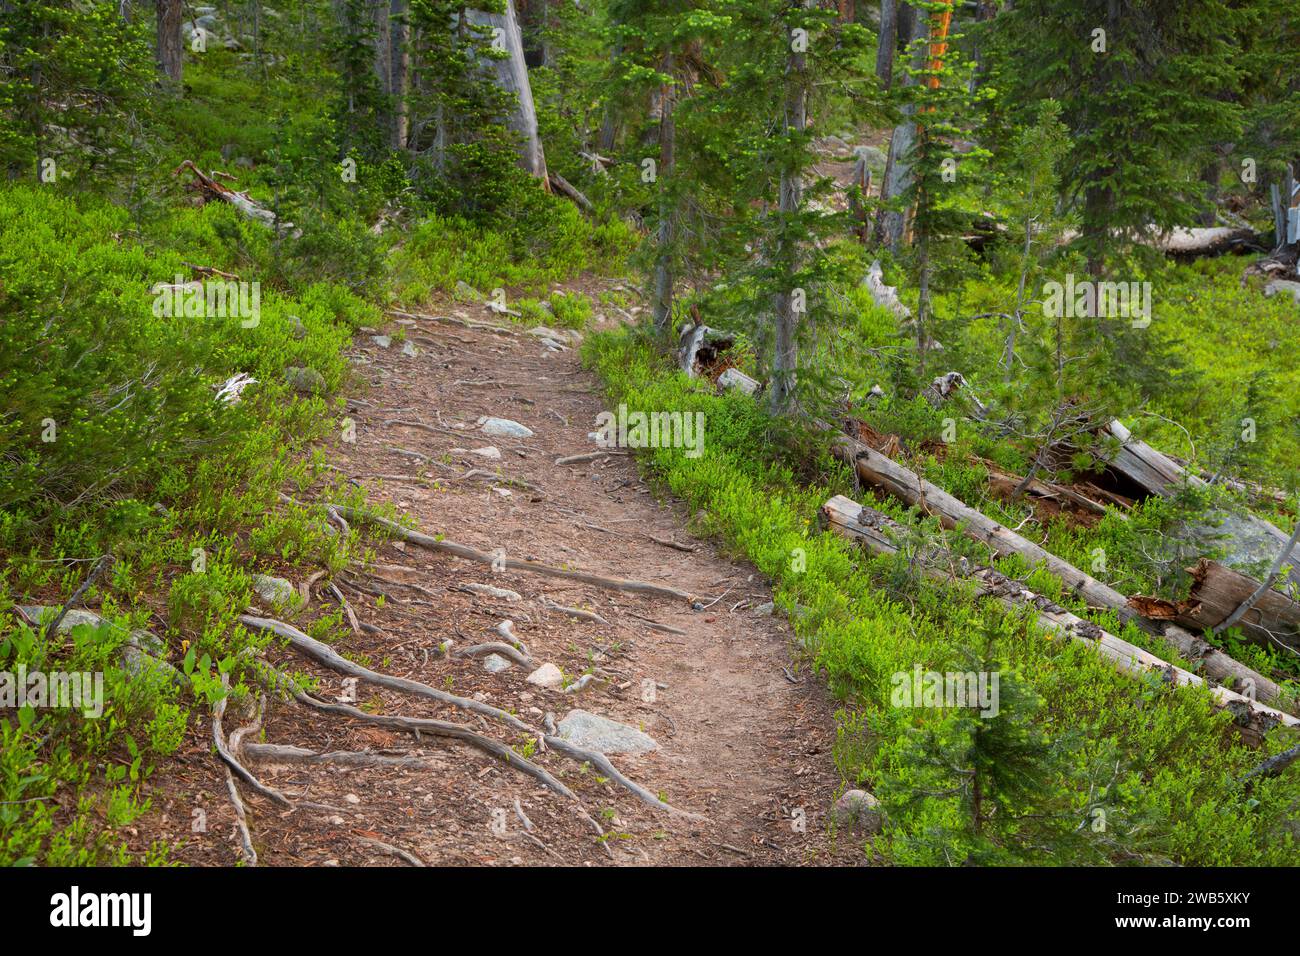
x,y
879,471
212,189
1217,591
886,295
698,346
568,190
733,379
1003,484
881,534
1207,241
1157,474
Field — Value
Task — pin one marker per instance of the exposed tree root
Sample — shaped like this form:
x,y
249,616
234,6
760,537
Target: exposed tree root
x,y
505,650
667,543
473,554
574,612
481,474
327,656
589,456
442,728
396,851
601,763
231,761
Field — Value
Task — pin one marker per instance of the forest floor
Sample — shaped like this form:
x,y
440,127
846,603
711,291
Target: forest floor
x,y
744,733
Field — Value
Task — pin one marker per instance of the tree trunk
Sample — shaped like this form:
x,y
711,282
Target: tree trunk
x,y
399,72
882,472
169,45
1217,592
785,356
885,43
912,26
881,534
663,290
512,76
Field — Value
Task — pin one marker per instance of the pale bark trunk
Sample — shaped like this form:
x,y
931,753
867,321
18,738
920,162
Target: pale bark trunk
x,y
881,534
913,26
663,278
399,80
885,43
512,76
785,357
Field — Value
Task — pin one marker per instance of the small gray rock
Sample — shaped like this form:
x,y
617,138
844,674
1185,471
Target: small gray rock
x,y
383,341
304,381
764,610
466,291
858,810
495,664
273,590
504,427
548,676
875,159
593,732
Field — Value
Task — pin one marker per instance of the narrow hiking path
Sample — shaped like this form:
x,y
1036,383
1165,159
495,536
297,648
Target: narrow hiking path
x,y
744,738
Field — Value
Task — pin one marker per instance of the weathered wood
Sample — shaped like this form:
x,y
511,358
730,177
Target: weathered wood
x,y
1217,591
881,534
211,189
1211,241
568,190
882,472
885,296
1157,474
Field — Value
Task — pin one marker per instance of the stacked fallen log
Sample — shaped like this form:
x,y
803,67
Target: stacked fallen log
x,y
1272,620
882,472
881,534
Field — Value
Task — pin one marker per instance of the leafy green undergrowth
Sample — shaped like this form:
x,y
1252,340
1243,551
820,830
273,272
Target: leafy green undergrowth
x,y
116,443
442,251
1082,764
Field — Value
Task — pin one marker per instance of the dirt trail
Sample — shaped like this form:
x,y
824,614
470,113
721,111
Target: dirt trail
x,y
743,739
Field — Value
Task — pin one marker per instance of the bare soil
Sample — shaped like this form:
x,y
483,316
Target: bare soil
x,y
745,733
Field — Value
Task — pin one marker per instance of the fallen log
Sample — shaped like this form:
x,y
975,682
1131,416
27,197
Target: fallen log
x,y
1155,473
1217,591
882,472
569,191
881,534
885,296
212,189
1207,241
